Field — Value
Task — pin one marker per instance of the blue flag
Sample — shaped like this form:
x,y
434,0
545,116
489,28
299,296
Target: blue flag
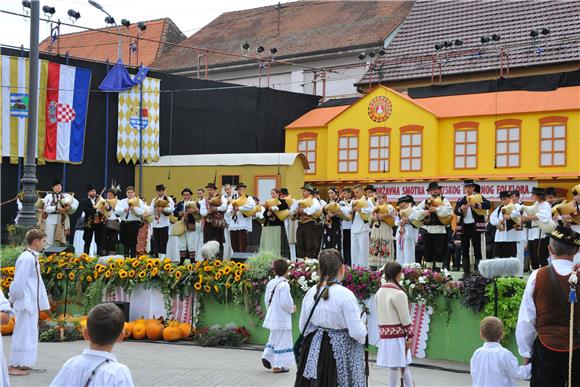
x,y
118,79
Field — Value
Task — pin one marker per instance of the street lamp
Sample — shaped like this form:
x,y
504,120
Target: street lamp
x,y
112,20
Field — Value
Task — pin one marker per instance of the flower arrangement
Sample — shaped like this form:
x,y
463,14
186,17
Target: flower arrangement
x,y
424,285
69,328
59,269
302,275
362,282
6,276
228,336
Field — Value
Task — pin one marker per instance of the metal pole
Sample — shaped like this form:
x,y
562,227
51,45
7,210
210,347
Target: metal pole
x,y
140,139
64,164
106,133
27,217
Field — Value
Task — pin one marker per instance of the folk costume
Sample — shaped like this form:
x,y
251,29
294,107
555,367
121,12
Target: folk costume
x,y
212,209
28,297
494,365
4,308
56,224
436,232
278,351
161,221
394,329
227,247
93,223
240,221
359,233
381,239
538,241
520,232
407,233
542,331
190,242
471,227
506,238
332,235
79,369
130,215
575,224
307,244
112,224
332,351
346,226
274,236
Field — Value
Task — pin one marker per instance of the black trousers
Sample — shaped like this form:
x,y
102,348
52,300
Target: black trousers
x,y
307,242
550,368
346,246
161,237
128,232
539,254
239,240
469,234
435,247
98,231
505,249
111,239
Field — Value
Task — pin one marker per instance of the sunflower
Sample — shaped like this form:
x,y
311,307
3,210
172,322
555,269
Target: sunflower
x,y
48,270
243,266
227,270
207,288
167,266
108,273
197,286
120,261
207,269
49,259
190,267
154,272
71,276
149,266
142,274
63,253
11,270
89,279
217,263
131,273
76,260
198,264
237,278
112,266
217,276
156,262
100,268
59,276
96,274
61,262
142,257
167,260
135,263
123,274
177,275
228,285
217,290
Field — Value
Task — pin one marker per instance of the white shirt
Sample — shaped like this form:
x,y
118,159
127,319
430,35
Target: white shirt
x,y
506,235
203,206
468,217
358,224
526,327
133,215
240,221
543,215
308,210
77,370
340,311
162,220
24,289
279,314
443,210
494,366
346,210
51,205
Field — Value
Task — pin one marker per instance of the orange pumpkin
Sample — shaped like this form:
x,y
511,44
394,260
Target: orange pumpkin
x,y
128,329
44,315
8,328
185,329
174,324
154,331
139,331
172,334
140,321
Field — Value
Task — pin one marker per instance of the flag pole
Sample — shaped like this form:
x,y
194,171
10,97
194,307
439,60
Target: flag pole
x,y
27,217
140,139
107,133
64,163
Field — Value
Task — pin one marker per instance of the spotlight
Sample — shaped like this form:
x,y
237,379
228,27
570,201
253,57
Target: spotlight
x,y
458,42
545,31
110,20
260,49
26,3
273,50
125,23
382,52
448,43
246,46
372,54
48,10
495,37
485,39
534,33
362,55
74,14
438,46
142,26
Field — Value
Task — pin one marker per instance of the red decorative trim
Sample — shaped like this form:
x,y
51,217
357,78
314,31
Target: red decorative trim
x,y
348,132
508,122
553,120
304,135
379,130
466,125
395,331
411,128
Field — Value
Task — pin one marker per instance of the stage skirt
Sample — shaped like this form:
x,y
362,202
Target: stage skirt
x,y
391,353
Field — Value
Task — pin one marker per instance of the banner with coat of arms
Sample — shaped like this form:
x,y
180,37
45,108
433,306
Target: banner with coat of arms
x,y
131,123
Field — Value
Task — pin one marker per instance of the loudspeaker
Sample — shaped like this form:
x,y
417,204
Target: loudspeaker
x,y
58,249
124,306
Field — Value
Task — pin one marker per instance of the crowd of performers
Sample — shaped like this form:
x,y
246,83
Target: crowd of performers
x,y
360,222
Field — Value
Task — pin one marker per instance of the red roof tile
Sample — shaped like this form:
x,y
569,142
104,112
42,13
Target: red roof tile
x,y
100,45
295,29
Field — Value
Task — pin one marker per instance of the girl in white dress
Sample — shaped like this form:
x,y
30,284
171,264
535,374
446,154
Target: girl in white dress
x,y
394,326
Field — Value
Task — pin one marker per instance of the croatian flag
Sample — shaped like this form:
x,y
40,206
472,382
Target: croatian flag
x,y
67,99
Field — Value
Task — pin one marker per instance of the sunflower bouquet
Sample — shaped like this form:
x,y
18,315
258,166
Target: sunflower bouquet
x,y
58,270
6,276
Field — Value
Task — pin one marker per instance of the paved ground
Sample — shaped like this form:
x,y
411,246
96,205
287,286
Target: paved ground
x,y
161,364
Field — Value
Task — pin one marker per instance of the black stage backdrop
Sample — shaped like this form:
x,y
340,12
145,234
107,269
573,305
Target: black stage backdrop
x,y
214,120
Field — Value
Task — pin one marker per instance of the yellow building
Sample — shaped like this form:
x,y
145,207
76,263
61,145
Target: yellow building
x,y
259,171
512,140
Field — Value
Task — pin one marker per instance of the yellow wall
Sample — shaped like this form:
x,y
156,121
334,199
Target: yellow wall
x,y
291,146
196,177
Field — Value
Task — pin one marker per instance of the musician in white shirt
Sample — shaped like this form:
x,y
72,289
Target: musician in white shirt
x,y
130,211
360,230
346,223
161,223
240,224
407,233
506,236
307,243
519,230
537,239
56,214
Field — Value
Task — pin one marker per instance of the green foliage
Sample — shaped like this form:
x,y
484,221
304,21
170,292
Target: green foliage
x,y
260,265
93,295
9,255
49,331
17,234
228,336
510,293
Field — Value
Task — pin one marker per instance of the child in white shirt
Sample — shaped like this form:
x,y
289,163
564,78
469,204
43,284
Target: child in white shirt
x,y
278,353
5,313
492,364
97,366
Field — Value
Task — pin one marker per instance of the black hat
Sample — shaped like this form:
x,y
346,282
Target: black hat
x,y
308,187
56,182
477,188
90,187
566,235
315,191
504,194
239,185
515,193
284,191
211,185
371,187
187,190
468,182
433,185
159,187
551,191
538,191
113,191
405,199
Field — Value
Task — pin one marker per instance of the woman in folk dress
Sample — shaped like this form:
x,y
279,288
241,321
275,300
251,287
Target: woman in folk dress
x,y
381,242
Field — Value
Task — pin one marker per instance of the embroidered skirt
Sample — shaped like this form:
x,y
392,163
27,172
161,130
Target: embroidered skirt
x,y
279,350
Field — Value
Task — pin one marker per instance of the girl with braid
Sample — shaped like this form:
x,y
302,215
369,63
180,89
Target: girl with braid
x,y
332,350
